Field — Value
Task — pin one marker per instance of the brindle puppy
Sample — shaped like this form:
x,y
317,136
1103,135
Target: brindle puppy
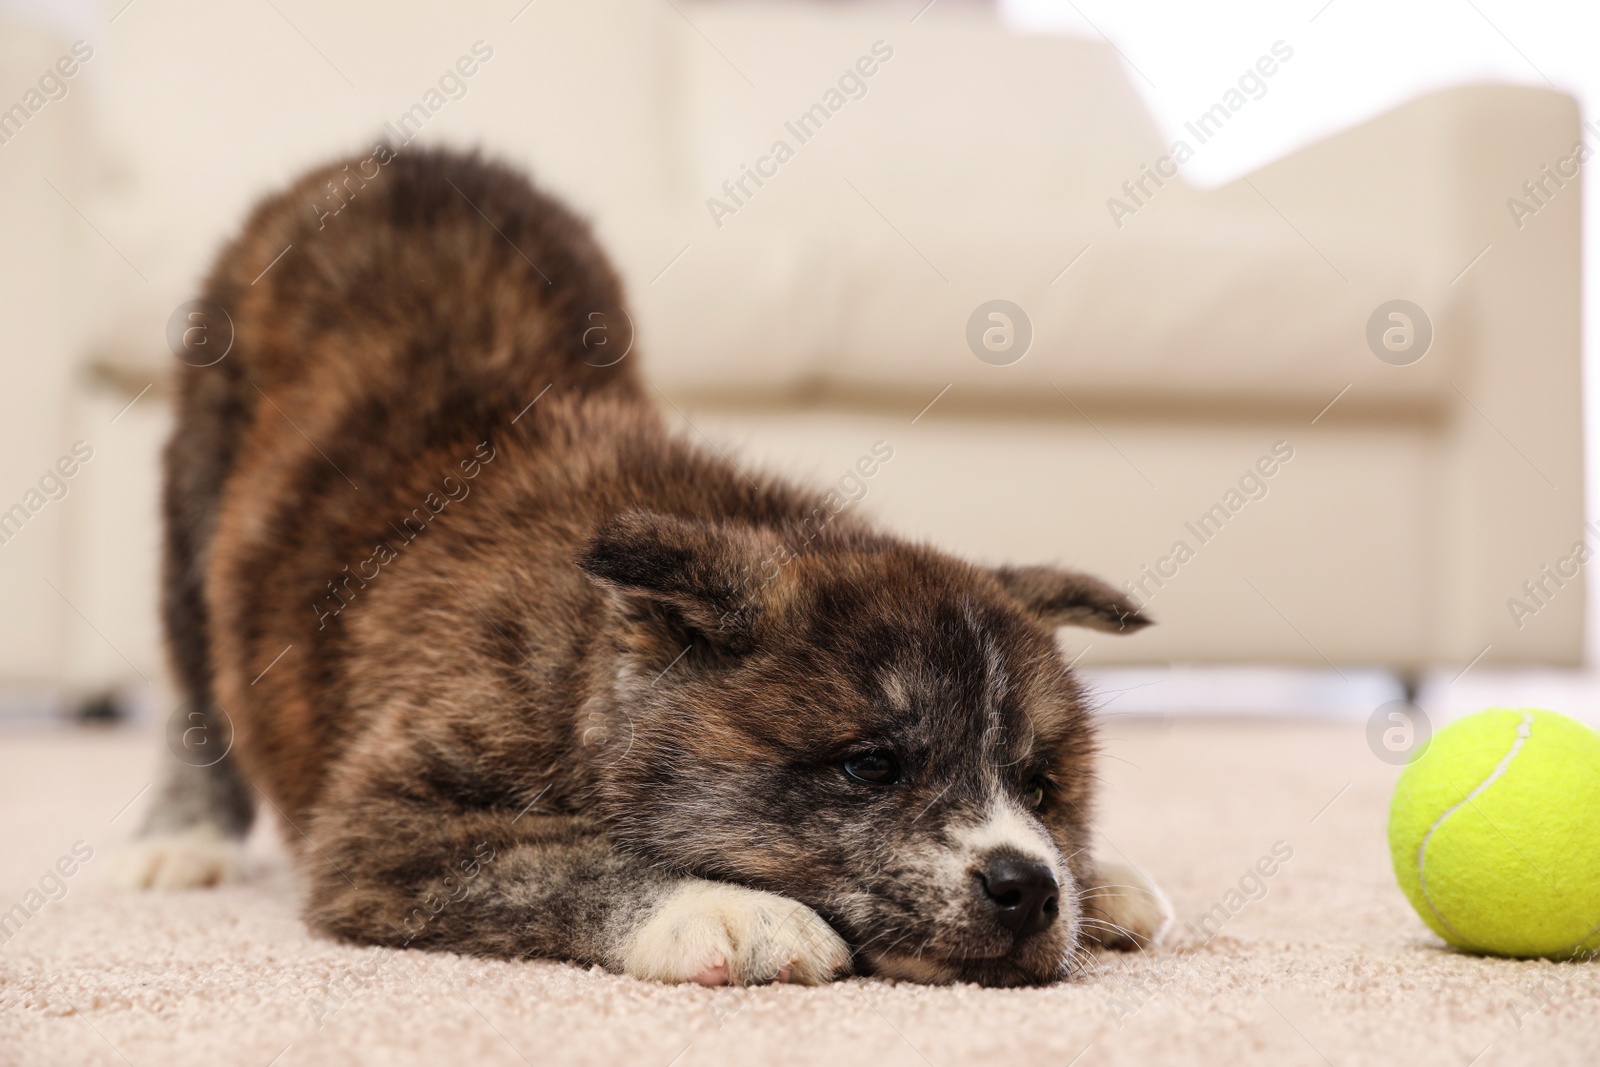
x,y
527,675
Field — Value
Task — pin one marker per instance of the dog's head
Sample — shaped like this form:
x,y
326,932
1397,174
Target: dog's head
x,y
875,729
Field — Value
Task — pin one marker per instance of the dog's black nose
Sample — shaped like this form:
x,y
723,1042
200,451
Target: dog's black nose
x,y
1023,892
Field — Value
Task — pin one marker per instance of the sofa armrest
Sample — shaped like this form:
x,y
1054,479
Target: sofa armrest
x,y
42,303
1447,178
1441,167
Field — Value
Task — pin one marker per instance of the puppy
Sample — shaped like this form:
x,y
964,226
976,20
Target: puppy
x,y
524,674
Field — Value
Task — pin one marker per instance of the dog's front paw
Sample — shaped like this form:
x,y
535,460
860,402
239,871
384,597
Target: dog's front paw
x,y
719,934
1123,909
186,859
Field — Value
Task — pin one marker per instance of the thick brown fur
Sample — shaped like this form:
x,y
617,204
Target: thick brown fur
x,y
520,668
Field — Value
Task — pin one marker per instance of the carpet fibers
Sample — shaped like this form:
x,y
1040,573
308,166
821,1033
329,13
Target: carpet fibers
x,y
1320,963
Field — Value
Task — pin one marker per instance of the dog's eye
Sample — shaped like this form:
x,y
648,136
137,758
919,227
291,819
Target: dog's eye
x,y
878,767
1034,796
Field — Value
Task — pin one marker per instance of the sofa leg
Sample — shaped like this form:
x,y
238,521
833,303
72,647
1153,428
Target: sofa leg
x,y
100,709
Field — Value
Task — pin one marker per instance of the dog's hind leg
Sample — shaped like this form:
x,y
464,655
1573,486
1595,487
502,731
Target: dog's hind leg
x,y
203,809
194,834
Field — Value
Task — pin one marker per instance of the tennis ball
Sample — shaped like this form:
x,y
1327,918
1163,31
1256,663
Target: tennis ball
x,y
1495,833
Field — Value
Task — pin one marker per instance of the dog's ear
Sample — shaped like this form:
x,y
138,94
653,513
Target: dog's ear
x,y
702,577
1069,598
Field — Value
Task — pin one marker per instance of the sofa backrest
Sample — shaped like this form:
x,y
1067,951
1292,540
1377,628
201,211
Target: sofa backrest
x,y
957,109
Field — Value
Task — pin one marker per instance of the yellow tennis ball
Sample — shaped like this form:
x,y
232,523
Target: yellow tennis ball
x,y
1495,833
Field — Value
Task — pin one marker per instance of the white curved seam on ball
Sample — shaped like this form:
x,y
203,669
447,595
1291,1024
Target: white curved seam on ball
x,y
1524,730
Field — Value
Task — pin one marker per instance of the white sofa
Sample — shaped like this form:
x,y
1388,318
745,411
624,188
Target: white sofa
x,y
1170,353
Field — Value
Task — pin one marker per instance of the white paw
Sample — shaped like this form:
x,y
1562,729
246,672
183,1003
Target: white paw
x,y
719,934
201,856
1124,909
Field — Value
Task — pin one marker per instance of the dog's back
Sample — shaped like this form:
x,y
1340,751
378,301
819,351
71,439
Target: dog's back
x,y
386,314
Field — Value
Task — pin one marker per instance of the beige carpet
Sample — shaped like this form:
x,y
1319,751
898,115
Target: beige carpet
x,y
1327,967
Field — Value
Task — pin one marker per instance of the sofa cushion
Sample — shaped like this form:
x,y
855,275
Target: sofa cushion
x,y
1189,308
